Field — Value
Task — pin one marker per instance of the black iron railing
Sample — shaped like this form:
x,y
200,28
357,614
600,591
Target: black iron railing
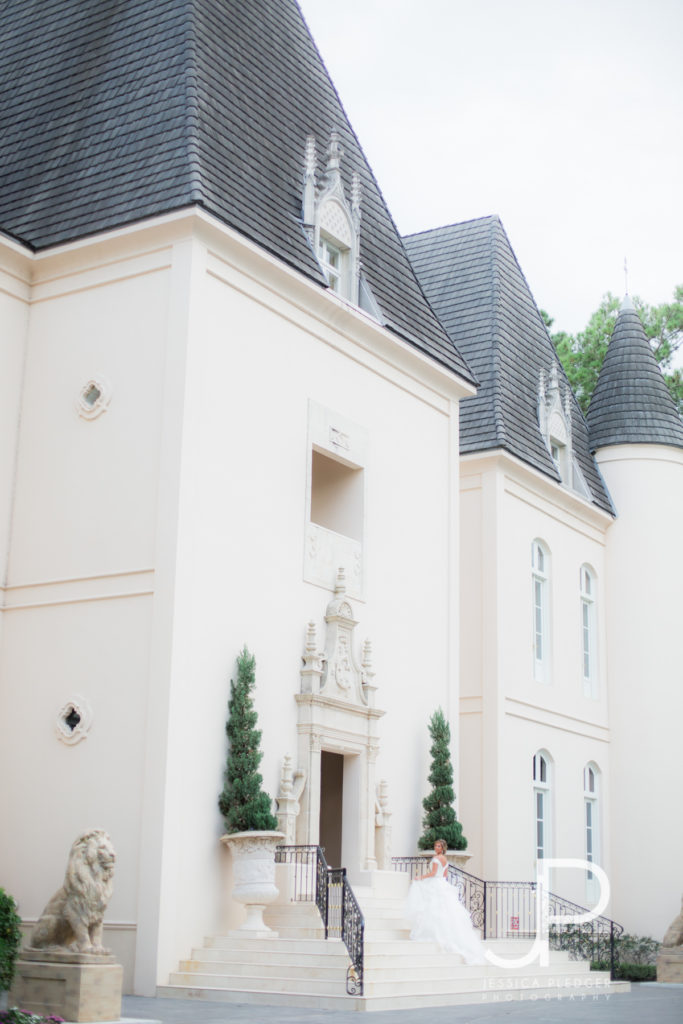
x,y
329,889
507,910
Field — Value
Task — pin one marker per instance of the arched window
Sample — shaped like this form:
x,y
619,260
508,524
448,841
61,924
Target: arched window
x,y
540,579
542,826
589,660
591,818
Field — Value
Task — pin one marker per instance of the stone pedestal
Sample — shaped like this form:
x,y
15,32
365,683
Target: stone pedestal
x,y
670,964
74,986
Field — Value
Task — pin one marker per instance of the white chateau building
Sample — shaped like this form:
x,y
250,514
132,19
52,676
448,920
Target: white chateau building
x,y
224,377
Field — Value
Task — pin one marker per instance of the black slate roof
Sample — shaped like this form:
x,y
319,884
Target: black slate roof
x,y
631,403
112,112
471,277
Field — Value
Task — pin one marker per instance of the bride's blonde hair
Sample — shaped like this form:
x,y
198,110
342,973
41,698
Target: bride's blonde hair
x,y
443,844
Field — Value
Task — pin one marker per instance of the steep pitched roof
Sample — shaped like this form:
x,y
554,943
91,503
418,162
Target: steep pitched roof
x,y
111,113
631,403
471,277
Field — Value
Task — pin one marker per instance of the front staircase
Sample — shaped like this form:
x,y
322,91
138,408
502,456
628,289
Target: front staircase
x,y
301,968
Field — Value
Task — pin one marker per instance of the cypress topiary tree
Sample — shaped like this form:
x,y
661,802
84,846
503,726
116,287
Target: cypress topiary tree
x,y
439,820
243,804
10,939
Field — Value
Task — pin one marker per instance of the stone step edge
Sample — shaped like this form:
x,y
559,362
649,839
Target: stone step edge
x,y
464,980
373,1003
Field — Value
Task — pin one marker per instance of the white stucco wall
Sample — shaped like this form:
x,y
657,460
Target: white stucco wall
x,y
254,363
506,715
151,543
80,573
645,567
14,294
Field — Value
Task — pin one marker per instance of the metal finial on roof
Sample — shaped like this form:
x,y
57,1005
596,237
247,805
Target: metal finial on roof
x,y
627,302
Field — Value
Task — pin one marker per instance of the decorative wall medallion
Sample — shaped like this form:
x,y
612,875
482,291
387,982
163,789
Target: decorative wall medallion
x,y
93,398
73,721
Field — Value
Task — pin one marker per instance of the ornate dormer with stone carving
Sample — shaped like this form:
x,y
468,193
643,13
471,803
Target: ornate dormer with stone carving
x,y
332,223
555,422
554,418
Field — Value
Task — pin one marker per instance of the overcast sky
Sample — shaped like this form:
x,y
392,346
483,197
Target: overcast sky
x,y
565,117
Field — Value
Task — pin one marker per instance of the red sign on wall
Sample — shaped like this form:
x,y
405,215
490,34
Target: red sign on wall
x,y
514,924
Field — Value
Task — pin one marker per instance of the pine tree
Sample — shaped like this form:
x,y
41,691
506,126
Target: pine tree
x,y
243,804
439,820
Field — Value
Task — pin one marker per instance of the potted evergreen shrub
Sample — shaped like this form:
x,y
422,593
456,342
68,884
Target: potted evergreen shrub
x,y
250,826
439,820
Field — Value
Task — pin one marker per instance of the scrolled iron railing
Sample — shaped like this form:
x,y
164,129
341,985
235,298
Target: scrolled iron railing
x,y
339,909
508,910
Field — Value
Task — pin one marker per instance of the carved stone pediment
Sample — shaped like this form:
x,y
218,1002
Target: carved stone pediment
x,y
337,674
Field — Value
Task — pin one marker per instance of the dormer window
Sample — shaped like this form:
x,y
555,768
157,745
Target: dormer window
x,y
555,421
332,223
332,261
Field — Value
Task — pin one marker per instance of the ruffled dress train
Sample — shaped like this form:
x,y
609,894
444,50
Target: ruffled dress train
x,y
436,915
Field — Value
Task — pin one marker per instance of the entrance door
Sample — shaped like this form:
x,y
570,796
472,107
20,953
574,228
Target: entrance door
x,y
331,806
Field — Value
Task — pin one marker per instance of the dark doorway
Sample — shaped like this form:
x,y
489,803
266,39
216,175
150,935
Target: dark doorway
x,y
331,804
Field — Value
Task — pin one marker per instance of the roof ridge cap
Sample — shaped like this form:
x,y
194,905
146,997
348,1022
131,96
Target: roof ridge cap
x,y
499,420
453,224
192,115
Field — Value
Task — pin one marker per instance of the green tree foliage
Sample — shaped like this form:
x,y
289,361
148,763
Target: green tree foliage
x,y
10,939
582,354
439,820
243,804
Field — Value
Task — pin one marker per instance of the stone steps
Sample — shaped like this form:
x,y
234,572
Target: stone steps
x,y
300,968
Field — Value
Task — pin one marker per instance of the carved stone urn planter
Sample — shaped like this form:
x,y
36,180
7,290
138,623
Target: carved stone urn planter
x,y
253,859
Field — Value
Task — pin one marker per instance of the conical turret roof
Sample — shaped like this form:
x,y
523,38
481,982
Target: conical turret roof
x,y
631,403
113,112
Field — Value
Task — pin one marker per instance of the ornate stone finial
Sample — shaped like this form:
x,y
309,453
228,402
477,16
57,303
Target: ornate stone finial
x,y
366,663
313,660
310,171
568,413
541,386
554,385
292,783
383,795
286,777
356,196
340,584
311,160
368,674
334,154
311,639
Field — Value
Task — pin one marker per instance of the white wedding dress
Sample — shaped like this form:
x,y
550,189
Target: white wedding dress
x,y
436,914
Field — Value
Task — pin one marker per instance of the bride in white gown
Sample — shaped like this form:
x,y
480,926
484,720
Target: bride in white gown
x,y
436,914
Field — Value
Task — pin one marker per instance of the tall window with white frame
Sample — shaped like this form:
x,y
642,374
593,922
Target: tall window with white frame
x,y
591,826
333,260
588,633
540,579
541,780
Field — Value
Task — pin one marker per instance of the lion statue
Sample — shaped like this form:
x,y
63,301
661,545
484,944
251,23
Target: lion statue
x,y
72,921
674,933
